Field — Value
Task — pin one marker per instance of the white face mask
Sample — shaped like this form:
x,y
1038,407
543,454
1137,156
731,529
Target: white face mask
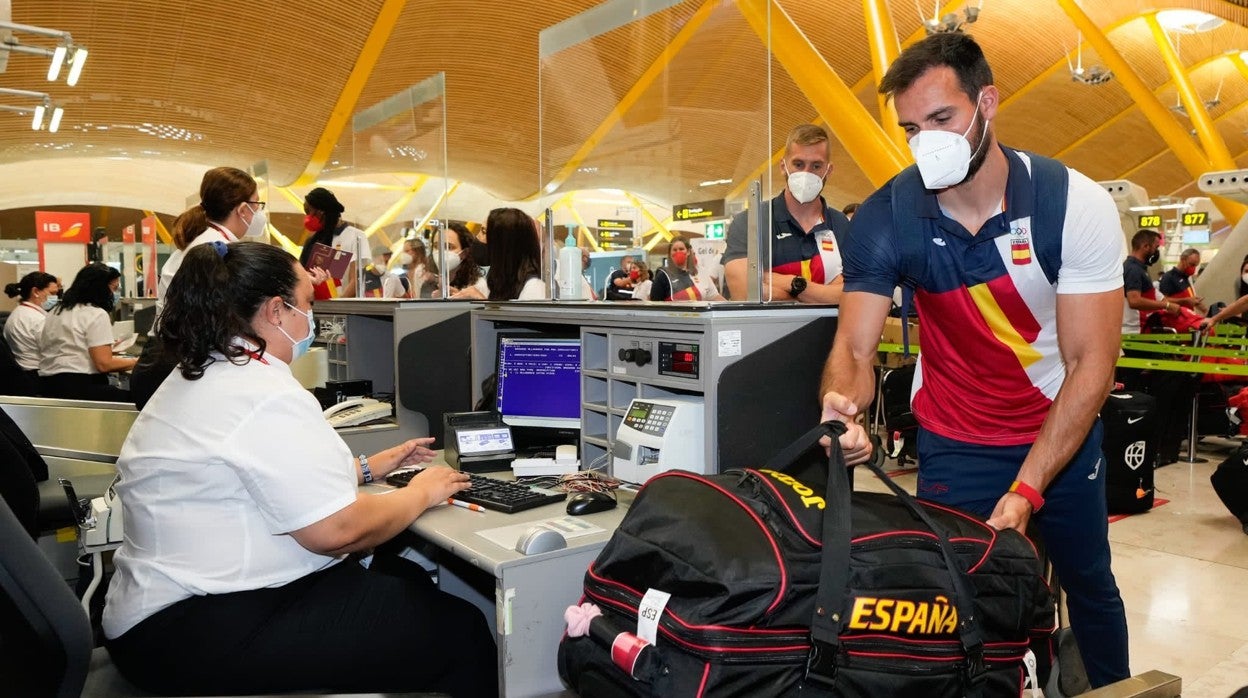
x,y
258,225
452,261
299,347
805,186
405,259
944,158
1244,278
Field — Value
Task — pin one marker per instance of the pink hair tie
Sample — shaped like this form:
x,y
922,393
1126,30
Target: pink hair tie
x,y
579,617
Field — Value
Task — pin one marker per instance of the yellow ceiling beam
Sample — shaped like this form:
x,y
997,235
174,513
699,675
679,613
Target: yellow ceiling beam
x,y
634,93
161,231
395,209
285,242
1122,114
1172,133
916,35
660,225
581,229
433,210
340,117
1215,148
862,137
884,46
1225,115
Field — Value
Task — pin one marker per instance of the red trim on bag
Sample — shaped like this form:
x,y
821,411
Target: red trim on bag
x,y
784,503
887,534
784,573
900,655
681,621
706,673
992,539
706,648
895,638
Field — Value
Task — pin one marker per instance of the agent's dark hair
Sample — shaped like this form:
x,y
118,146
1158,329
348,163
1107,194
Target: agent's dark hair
x,y
90,287
850,209
1241,288
213,298
220,191
35,280
1142,238
515,253
954,50
468,271
323,201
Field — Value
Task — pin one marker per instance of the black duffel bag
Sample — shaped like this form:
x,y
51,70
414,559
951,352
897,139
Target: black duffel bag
x,y
922,601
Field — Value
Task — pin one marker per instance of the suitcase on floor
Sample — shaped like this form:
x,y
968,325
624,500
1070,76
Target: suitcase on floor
x,y
1130,449
755,583
899,422
1230,482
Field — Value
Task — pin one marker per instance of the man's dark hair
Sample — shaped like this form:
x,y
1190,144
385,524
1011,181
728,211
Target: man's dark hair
x,y
953,49
1144,237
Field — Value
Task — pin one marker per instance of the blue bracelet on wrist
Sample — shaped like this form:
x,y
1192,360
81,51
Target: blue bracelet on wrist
x,y
368,474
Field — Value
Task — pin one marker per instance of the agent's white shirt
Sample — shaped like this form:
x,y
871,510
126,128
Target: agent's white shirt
x,y
22,331
67,336
214,476
174,263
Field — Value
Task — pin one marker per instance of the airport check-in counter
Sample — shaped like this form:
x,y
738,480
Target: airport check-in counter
x,y
416,349
755,369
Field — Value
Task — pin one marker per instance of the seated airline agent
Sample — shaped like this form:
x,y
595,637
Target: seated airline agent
x,y
241,506
76,344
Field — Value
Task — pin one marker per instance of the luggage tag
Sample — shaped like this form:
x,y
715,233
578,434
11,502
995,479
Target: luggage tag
x,y
648,613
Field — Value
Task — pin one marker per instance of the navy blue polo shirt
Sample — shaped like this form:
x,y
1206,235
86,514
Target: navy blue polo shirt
x,y
814,255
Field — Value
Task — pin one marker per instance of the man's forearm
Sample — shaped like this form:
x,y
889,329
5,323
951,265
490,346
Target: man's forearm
x,y
849,374
1070,418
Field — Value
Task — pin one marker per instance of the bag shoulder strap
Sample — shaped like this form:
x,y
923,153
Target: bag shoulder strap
x,y
905,193
1051,181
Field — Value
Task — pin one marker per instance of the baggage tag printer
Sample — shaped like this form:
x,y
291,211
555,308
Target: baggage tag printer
x,y
477,442
659,434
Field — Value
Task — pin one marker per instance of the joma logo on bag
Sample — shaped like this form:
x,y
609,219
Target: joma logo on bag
x,y
809,498
917,617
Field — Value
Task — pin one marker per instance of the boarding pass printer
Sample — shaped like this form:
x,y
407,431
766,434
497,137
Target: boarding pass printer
x,y
659,434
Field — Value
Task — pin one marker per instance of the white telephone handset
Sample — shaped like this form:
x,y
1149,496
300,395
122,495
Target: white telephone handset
x,y
357,411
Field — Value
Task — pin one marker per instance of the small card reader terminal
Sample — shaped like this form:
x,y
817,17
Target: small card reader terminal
x,y
659,434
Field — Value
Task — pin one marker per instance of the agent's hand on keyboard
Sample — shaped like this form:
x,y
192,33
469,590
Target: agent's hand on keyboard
x,y
440,484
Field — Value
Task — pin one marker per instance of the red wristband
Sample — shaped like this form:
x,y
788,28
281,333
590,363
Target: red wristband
x,y
1029,493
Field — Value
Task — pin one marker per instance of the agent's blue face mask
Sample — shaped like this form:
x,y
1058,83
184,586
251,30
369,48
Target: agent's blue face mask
x,y
300,347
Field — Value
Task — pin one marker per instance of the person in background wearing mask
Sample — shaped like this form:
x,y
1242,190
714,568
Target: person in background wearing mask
x,y
1176,284
273,601
1015,366
639,275
1137,286
229,209
323,219
464,257
25,324
619,287
1239,306
674,281
378,281
76,345
806,233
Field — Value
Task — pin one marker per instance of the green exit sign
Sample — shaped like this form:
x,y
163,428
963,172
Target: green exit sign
x,y
715,231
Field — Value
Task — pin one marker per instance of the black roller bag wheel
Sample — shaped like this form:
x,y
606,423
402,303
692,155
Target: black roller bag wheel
x,y
1230,481
771,597
1130,448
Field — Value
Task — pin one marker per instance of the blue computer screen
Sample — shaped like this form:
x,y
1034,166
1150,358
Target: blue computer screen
x,y
539,381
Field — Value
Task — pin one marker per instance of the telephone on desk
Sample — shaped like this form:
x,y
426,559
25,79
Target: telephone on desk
x,y
356,411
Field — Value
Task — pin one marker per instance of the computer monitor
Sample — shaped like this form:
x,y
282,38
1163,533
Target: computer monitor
x,y
539,381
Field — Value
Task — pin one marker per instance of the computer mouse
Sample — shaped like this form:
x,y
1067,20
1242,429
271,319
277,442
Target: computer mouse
x,y
540,540
590,503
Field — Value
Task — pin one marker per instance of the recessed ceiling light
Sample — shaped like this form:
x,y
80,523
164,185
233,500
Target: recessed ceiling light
x,y
1188,21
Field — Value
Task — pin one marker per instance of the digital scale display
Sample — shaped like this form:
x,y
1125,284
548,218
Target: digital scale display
x,y
640,411
677,359
475,441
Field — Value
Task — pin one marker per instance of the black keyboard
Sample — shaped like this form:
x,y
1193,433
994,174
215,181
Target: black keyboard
x,y
500,495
